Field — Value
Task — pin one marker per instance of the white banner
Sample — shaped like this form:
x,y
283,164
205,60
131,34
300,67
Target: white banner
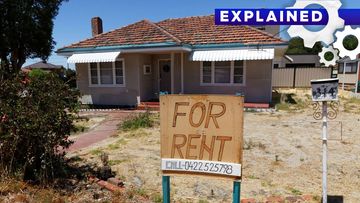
x,y
201,166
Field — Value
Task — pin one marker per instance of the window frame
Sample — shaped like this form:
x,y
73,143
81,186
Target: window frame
x,y
113,75
344,68
212,83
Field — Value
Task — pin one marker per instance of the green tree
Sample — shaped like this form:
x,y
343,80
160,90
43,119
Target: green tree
x,y
36,118
296,46
69,76
25,32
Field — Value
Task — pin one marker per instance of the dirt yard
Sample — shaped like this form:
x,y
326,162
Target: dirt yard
x,y
282,156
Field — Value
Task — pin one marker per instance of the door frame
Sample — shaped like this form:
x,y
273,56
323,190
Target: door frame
x,y
158,73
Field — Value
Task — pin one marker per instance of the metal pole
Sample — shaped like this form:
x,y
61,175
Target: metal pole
x,y
236,191
357,77
324,158
166,189
343,79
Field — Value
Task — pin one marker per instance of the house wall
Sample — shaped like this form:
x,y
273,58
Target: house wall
x,y
112,95
256,89
349,78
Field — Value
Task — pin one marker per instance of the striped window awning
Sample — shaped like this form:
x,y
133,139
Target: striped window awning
x,y
93,57
233,55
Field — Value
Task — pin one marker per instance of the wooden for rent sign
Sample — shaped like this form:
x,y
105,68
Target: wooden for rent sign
x,y
201,134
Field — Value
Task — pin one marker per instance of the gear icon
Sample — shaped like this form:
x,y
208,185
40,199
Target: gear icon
x,y
341,35
326,34
329,56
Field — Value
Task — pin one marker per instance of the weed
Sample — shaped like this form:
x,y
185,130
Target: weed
x,y
137,134
317,198
295,191
142,120
96,152
116,162
76,159
251,144
277,158
203,201
291,102
253,177
267,184
117,144
302,159
157,198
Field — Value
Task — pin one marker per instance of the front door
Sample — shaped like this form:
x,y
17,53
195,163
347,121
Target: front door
x,y
165,75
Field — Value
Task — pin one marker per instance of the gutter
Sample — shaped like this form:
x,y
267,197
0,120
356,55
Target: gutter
x,y
238,45
159,47
69,51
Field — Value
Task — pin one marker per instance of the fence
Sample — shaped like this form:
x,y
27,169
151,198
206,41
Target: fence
x,y
298,77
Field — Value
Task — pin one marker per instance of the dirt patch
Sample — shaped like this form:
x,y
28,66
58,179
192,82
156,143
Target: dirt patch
x,y
282,156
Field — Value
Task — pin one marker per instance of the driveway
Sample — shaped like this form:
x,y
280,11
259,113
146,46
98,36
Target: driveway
x,y
104,130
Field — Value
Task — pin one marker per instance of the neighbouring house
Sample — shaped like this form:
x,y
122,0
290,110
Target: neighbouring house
x,y
45,66
190,55
350,75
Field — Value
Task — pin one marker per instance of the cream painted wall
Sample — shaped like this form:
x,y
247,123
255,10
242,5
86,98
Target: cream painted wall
x,y
112,95
256,89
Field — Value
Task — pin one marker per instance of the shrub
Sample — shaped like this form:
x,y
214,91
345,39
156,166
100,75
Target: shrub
x,y
141,120
36,118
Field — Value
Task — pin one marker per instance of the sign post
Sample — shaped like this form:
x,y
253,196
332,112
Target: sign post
x,y
324,91
201,135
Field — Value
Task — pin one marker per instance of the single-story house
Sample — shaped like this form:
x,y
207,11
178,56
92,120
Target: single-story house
x,y
45,66
350,75
190,55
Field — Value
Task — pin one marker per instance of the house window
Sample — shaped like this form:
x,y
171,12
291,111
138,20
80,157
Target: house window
x,y
351,68
147,69
107,73
206,72
222,73
238,72
119,72
93,74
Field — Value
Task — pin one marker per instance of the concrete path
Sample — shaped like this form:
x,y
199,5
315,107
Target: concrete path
x,y
105,130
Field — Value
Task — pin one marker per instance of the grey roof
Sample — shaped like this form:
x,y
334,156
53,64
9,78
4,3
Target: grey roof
x,y
43,65
347,60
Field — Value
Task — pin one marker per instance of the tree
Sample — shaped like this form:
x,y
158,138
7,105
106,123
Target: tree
x,y
296,46
25,32
69,77
36,118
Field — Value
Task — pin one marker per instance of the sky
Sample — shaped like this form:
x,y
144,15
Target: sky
x,y
73,21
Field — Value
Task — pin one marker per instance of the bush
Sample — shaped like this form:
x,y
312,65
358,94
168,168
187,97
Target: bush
x,y
141,120
36,118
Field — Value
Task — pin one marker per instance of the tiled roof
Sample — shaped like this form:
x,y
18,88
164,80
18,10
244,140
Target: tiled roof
x,y
192,30
202,30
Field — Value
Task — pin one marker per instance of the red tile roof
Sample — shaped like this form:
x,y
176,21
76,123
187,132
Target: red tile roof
x,y
192,30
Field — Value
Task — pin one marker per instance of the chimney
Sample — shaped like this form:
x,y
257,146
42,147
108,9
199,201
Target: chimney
x,y
96,26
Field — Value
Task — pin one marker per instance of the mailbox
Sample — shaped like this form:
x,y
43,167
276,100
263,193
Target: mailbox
x,y
325,89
